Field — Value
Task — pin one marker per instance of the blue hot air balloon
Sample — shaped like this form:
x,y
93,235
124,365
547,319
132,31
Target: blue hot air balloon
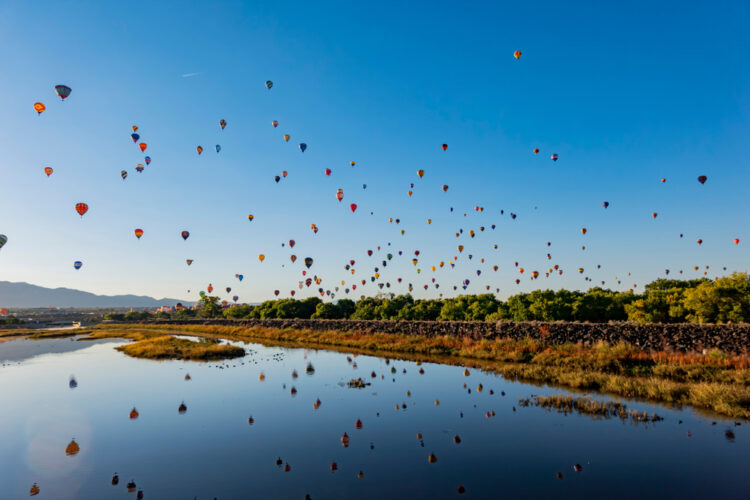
x,y
135,137
240,277
302,146
77,265
148,160
218,148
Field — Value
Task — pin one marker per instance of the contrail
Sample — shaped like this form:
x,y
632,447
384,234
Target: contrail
x,y
188,75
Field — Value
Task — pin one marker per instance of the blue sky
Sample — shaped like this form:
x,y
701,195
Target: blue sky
x,y
626,94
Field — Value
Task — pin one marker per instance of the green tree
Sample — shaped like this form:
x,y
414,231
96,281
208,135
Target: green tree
x,y
209,307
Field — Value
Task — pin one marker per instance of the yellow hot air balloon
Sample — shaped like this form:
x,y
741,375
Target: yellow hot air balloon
x,y
517,54
261,257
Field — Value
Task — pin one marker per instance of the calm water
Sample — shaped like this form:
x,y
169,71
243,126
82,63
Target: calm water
x,y
212,451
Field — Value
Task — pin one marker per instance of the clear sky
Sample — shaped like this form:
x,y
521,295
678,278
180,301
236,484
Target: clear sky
x,y
624,93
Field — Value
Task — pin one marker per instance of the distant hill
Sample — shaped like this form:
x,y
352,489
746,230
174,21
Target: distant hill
x,y
24,295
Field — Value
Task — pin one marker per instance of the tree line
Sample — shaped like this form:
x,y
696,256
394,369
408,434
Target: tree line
x,y
723,300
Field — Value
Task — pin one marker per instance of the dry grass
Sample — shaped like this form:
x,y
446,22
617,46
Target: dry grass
x,y
587,406
169,347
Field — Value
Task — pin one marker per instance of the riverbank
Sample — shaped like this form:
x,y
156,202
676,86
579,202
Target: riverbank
x,y
715,381
679,337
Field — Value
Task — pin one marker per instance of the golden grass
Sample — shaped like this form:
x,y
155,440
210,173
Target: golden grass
x,y
169,347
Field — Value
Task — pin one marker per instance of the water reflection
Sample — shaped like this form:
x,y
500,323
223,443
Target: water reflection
x,y
257,429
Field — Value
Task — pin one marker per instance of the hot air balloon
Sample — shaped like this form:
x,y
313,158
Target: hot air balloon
x,y
605,204
536,151
287,137
48,171
445,188
352,163
34,490
63,91
39,107
328,171
138,233
702,179
3,240
135,128
420,173
444,146
222,123
736,241
276,178
339,194
189,261
82,208
250,217
72,448
584,230
240,277
235,298
699,241
139,168
218,148
275,123
135,137
308,262
353,207
210,288
199,149
261,257
302,146
269,84
554,157
517,54
148,160
123,174
293,258
143,146
284,173
185,235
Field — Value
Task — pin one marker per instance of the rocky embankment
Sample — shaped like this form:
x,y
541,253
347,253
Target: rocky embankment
x,y
683,337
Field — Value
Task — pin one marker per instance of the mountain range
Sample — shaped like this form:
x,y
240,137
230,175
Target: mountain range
x,y
25,295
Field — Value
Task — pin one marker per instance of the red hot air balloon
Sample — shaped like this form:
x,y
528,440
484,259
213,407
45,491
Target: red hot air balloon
x,y
339,194
702,179
185,235
48,171
353,207
143,146
328,171
82,208
536,151
39,107
444,146
736,241
138,233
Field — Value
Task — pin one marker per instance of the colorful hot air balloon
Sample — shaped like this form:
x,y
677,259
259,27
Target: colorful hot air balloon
x,y
39,107
339,194
143,146
517,54
605,204
148,160
82,208
292,243
199,149
308,262
445,188
302,146
77,265
135,128
275,123
584,230
702,179
444,146
287,137
135,137
138,233
3,240
284,173
139,168
352,163
123,174
218,148
250,217
269,84
536,151
48,171
420,173
185,235
222,123
63,91
554,157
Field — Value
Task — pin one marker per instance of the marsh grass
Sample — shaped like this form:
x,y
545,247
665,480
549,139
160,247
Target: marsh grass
x,y
588,406
169,347
715,382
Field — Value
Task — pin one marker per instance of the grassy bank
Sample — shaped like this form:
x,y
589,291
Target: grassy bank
x,y
716,382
